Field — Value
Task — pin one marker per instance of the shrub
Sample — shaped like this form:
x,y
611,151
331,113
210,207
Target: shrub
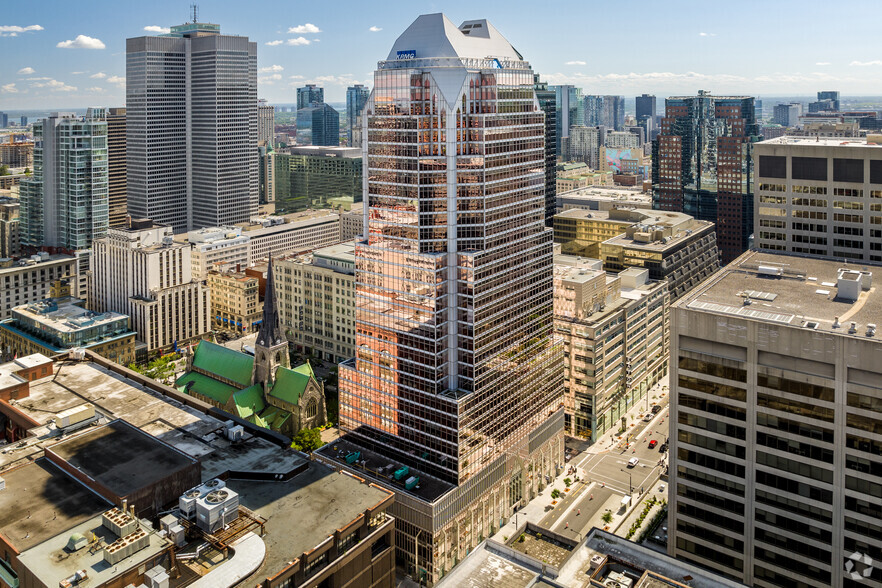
x,y
607,517
568,482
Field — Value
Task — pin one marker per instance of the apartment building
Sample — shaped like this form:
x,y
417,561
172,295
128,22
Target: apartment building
x,y
776,409
820,196
10,245
616,341
30,280
235,301
316,295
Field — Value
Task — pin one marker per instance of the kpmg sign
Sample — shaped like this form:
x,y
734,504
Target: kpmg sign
x,y
408,54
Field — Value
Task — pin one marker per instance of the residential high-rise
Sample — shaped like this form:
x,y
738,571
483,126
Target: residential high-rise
x,y
758,108
570,111
191,127
266,123
139,270
613,112
10,242
787,115
585,144
356,97
622,139
457,376
116,166
702,164
645,107
318,124
24,121
318,177
776,416
309,95
548,103
4,120
593,110
64,202
819,196
830,95
17,153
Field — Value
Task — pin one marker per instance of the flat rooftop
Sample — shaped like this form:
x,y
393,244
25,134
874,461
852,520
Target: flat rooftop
x,y
66,315
821,142
686,230
806,291
484,568
115,454
116,397
315,503
51,563
40,501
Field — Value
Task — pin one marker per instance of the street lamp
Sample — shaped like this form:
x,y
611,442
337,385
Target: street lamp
x,y
630,487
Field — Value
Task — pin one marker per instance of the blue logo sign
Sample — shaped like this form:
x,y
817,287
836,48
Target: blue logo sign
x,y
496,64
408,54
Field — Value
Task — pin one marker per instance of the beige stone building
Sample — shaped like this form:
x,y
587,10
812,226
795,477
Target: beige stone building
x,y
316,295
217,248
9,225
615,333
298,233
30,280
235,301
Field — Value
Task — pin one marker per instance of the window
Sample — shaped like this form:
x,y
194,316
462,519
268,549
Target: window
x,y
848,170
311,408
772,166
809,168
876,171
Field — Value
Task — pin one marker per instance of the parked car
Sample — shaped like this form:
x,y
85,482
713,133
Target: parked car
x,y
656,409
653,443
633,462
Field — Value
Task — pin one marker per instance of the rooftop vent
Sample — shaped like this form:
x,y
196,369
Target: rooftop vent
x,y
852,328
849,284
871,329
768,270
810,324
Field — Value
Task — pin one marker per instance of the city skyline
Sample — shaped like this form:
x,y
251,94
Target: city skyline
x,y
57,59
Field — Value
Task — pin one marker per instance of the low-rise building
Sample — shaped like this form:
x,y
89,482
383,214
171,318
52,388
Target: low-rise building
x,y
29,280
615,333
56,325
580,232
352,223
317,301
604,198
235,301
298,233
217,248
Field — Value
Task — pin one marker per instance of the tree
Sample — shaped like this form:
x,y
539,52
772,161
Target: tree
x,y
307,440
607,517
4,170
27,171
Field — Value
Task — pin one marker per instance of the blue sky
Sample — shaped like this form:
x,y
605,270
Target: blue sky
x,y
57,53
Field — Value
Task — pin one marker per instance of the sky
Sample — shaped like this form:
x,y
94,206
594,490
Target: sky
x,y
63,54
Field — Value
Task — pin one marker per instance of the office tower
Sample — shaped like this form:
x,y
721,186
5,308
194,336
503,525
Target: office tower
x,y
645,107
457,378
356,97
309,95
830,95
4,120
593,312
593,110
318,177
266,174
266,123
24,121
318,124
819,196
220,248
10,242
191,127
548,103
139,270
776,413
702,164
585,144
821,106
758,109
116,166
570,111
787,115
613,112
64,202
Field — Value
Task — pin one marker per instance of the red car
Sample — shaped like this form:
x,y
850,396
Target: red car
x,y
653,443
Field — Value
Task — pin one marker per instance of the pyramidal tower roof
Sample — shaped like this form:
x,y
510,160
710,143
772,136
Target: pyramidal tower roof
x,y
270,332
435,35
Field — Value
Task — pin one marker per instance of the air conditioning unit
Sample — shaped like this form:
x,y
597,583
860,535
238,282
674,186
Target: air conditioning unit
x,y
236,433
216,509
187,502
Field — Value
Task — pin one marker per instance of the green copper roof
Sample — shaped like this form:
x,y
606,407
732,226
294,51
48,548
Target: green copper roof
x,y
290,384
249,401
255,418
202,384
226,363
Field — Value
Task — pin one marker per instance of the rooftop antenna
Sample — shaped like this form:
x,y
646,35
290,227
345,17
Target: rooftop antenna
x,y
195,8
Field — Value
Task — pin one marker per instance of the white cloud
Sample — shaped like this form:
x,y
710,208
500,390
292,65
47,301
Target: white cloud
x,y
156,29
98,76
271,68
25,71
76,73
296,77
96,89
298,41
81,42
576,63
118,80
268,80
274,43
866,63
13,30
304,28
375,29
9,89
54,85
340,80
823,63
707,34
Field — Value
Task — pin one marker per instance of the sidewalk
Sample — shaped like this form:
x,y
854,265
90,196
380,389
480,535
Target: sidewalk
x,y
622,527
538,509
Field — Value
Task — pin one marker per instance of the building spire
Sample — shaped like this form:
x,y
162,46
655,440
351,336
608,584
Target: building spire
x,y
270,332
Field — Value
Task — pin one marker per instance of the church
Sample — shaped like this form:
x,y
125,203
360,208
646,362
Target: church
x,y
263,389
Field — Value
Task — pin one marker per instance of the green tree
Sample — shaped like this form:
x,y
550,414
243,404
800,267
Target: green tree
x,y
27,171
607,517
4,170
307,440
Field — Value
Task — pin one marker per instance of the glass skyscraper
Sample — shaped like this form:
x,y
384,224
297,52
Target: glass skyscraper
x,y
318,124
356,97
457,375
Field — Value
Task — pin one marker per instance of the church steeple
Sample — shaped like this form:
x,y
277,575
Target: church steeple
x,y
271,347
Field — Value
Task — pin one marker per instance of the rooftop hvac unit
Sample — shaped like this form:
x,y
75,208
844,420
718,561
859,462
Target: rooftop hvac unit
x,y
187,502
236,433
618,580
213,484
216,509
156,577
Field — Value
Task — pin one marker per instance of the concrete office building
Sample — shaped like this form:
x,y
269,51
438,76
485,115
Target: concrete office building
x,y
462,392
356,97
17,153
191,127
702,164
10,245
776,396
622,140
580,232
291,233
64,202
820,196
316,293
585,144
142,272
30,280
217,248
604,198
787,115
311,177
352,222
615,332
309,95
117,198
266,123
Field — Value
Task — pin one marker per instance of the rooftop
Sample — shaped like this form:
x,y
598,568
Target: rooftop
x,y
345,152
793,290
114,455
815,141
435,35
40,501
268,225
27,262
66,315
315,503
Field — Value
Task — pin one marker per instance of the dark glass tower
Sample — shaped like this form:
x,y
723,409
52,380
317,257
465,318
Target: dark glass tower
x,y
548,104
